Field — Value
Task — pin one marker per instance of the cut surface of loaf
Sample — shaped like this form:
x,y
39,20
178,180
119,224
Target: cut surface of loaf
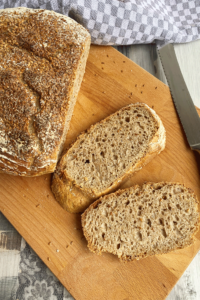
x,y
42,61
141,221
109,152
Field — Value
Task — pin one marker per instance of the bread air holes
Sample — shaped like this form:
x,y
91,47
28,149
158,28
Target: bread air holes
x,y
161,221
127,119
118,246
87,161
149,222
141,126
102,154
164,233
139,236
158,188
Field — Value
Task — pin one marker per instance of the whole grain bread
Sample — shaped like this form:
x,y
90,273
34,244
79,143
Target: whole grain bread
x,y
42,61
141,221
107,154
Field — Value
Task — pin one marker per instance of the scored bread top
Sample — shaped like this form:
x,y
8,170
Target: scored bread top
x,y
106,154
39,55
143,220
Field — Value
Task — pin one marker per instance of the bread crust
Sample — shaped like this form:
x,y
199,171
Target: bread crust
x,y
125,258
84,197
43,57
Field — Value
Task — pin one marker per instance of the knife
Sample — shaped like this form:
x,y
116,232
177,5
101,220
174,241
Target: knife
x,y
181,96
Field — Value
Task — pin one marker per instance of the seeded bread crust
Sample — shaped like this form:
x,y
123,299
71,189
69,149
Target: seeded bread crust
x,y
75,199
42,62
98,247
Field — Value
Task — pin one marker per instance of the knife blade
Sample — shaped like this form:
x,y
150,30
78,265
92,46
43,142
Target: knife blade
x,y
183,102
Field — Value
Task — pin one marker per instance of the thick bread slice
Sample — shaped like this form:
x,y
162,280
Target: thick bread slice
x,y
141,221
109,152
42,61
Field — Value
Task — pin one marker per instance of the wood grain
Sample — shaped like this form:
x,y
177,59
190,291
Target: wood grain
x,y
56,235
144,55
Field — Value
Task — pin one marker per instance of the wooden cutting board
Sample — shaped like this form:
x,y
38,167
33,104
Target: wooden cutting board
x,y
111,81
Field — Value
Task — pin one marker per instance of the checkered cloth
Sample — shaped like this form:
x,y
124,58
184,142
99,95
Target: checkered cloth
x,y
115,22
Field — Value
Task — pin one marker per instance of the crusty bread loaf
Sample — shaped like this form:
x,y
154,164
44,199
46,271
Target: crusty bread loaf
x,y
106,154
42,62
141,221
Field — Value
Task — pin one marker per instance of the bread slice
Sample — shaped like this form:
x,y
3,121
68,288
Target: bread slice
x,y
109,152
140,221
42,62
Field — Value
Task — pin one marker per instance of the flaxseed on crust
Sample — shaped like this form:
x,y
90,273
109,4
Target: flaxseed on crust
x,y
42,62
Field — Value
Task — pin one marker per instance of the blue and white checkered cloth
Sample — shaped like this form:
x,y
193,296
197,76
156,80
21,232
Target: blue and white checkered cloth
x,y
115,22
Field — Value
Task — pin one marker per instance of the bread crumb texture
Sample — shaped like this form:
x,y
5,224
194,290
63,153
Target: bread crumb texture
x,y
141,221
108,153
110,148
40,56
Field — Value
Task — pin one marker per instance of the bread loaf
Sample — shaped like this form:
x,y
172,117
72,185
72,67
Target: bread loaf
x,y
42,62
109,152
141,221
